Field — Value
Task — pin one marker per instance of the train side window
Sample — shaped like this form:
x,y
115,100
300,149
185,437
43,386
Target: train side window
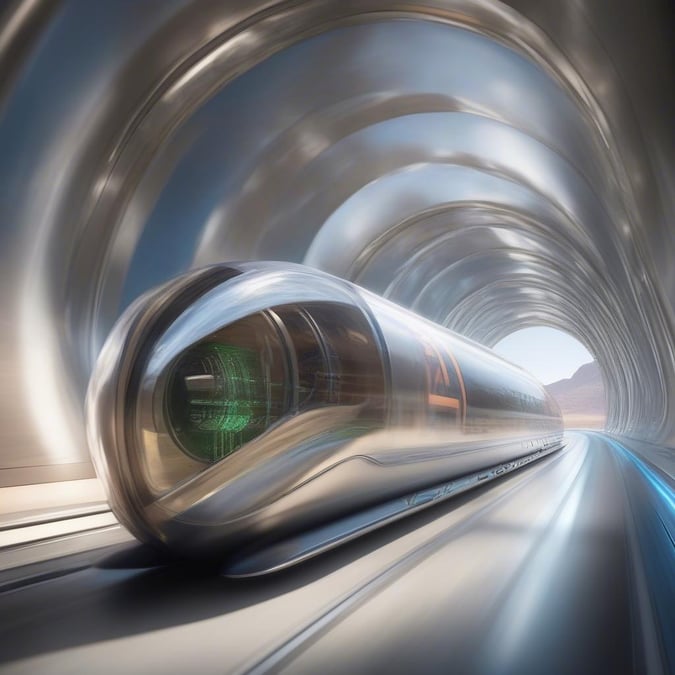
x,y
335,358
443,397
313,367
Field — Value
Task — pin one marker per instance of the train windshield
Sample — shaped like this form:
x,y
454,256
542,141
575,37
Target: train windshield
x,y
230,388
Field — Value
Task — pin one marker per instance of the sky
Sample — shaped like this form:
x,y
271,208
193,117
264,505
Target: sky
x,y
549,354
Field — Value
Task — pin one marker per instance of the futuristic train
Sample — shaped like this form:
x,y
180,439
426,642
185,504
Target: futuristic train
x,y
262,412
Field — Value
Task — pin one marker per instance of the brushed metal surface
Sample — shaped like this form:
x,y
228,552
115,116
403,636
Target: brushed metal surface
x,y
491,165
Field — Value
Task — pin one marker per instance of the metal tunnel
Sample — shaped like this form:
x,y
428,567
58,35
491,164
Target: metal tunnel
x,y
490,165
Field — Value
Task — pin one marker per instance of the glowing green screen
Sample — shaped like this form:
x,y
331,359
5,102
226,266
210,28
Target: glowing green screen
x,y
218,398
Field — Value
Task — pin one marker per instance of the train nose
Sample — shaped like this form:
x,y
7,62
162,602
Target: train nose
x,y
268,366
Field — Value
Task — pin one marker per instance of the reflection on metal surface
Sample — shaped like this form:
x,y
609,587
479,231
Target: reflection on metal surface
x,y
433,593
241,404
491,165
305,545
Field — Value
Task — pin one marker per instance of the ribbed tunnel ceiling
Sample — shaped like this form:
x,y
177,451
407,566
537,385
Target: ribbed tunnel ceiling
x,y
491,171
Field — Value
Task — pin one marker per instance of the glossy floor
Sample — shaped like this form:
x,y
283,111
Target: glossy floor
x,y
566,566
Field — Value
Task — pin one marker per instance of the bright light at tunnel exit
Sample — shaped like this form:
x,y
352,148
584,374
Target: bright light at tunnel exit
x,y
549,354
552,355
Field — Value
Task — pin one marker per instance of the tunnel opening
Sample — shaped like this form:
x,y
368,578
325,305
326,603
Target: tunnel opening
x,y
568,370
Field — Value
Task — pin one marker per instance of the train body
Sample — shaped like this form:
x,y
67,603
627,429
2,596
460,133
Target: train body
x,y
244,404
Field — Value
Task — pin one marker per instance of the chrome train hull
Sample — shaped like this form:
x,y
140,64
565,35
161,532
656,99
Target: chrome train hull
x,y
241,406
285,552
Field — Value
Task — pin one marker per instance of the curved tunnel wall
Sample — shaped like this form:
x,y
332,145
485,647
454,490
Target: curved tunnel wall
x,y
491,166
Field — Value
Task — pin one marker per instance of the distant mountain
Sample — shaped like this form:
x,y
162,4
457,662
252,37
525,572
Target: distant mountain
x,y
581,397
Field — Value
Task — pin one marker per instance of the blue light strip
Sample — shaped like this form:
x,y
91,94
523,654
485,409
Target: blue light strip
x,y
659,485
655,525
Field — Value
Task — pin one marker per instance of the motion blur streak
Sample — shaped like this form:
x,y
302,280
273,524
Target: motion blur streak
x,y
432,593
651,498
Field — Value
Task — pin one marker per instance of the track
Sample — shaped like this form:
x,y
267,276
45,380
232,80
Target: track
x,y
566,566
